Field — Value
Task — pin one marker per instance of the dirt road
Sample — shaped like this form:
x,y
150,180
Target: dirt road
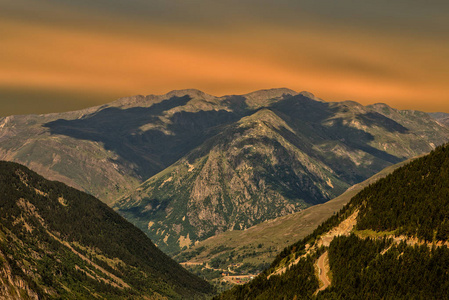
x,y
323,268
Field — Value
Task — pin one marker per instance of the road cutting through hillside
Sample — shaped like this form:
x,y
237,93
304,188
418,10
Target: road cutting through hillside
x,y
323,269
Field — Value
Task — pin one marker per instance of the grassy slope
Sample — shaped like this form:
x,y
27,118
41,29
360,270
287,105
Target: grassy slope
x,y
83,164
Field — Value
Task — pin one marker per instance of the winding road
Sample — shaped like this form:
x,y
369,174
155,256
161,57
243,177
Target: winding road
x,y
322,270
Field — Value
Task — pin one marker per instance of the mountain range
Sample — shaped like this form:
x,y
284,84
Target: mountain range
x,y
59,243
186,165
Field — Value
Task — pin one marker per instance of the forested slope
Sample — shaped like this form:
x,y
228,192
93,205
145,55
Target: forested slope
x,y
363,269
413,201
395,248
58,242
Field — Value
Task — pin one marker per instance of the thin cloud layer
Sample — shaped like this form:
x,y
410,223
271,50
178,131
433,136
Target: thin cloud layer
x,y
372,52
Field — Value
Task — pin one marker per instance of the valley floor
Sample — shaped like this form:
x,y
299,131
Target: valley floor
x,y
221,277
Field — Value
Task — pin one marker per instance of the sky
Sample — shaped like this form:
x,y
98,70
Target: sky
x,y
60,55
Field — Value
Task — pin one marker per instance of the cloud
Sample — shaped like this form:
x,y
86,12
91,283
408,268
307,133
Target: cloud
x,y
148,47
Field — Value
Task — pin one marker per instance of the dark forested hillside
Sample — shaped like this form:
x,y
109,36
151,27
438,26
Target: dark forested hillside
x,y
58,242
300,281
414,200
362,270
396,248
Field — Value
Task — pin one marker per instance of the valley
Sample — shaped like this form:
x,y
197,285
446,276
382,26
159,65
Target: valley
x,y
224,150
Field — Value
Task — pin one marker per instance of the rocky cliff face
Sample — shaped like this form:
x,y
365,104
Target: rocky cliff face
x,y
11,286
256,247
245,175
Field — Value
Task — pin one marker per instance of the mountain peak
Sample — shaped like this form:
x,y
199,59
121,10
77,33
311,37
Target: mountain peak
x,y
379,105
194,93
263,98
351,103
148,100
270,93
311,96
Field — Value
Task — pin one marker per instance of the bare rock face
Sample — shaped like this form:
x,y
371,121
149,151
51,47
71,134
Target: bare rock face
x,y
11,286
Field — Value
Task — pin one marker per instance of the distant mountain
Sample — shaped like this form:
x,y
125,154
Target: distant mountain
x,y
187,165
59,243
389,241
441,117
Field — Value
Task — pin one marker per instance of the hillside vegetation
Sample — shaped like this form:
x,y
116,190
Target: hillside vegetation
x,y
399,259
414,201
57,242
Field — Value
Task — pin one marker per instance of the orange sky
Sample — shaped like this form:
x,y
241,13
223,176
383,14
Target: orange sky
x,y
64,57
